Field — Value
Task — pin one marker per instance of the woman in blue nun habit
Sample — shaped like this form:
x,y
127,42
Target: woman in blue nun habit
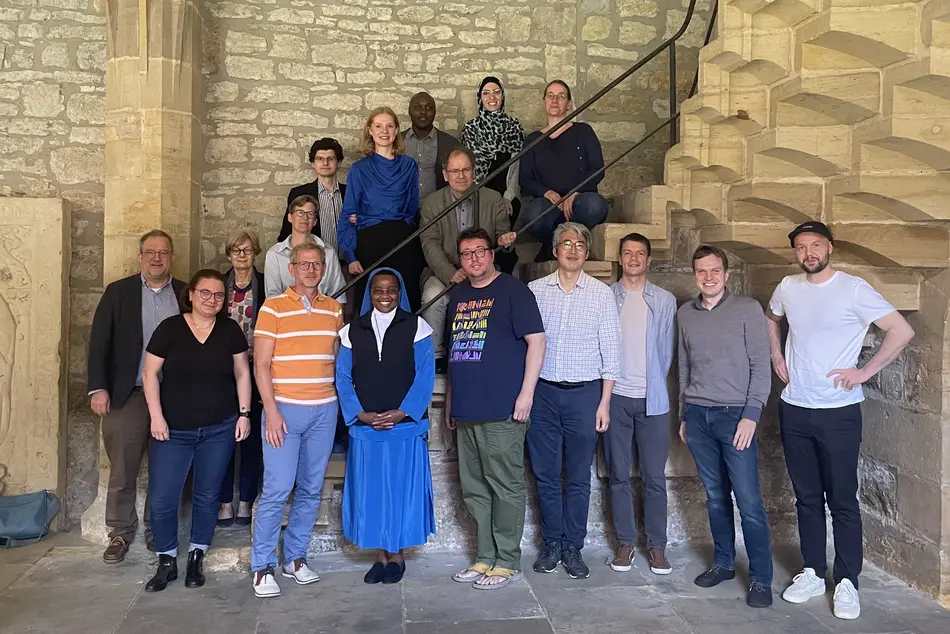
x,y
385,374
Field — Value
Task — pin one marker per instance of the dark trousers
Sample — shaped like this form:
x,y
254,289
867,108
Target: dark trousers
x,y
628,423
821,453
126,431
589,209
207,450
561,440
374,242
725,470
251,470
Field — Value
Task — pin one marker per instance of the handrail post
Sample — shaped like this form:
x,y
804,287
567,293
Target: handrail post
x,y
673,105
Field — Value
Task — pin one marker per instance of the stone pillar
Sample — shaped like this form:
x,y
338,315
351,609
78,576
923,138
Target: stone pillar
x,y
153,130
34,304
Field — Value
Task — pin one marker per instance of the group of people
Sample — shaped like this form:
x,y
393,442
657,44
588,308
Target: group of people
x,y
270,362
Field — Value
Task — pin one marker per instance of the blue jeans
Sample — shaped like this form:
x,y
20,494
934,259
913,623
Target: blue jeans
x,y
302,459
589,209
724,470
563,425
206,449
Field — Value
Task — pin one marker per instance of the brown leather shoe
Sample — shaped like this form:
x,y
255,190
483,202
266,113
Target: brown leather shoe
x,y
624,559
116,551
659,564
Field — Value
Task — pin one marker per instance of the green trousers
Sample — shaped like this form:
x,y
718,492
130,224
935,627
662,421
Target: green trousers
x,y
491,470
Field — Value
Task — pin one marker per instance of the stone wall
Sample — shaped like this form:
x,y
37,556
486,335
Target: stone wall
x,y
52,60
283,73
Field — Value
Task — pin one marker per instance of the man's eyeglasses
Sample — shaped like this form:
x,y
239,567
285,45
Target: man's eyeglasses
x,y
571,245
150,253
491,93
309,215
309,266
244,251
465,171
206,295
474,253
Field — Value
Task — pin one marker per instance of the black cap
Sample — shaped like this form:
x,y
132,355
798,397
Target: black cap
x,y
812,226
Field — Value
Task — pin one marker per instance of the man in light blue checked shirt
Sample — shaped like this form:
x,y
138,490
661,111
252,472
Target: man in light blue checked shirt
x,y
572,399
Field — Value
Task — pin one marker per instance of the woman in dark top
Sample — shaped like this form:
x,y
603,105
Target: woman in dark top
x,y
198,411
245,289
385,374
557,165
383,192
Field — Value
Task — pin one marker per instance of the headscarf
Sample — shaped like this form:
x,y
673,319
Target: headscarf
x,y
491,133
403,296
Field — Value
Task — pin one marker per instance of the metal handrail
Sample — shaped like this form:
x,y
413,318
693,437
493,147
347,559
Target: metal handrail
x,y
504,166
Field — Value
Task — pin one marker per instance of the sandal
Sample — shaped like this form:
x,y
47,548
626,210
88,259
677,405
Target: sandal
x,y
473,573
506,574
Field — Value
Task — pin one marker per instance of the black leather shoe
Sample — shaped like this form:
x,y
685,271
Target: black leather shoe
x,y
194,577
393,572
714,576
549,557
375,574
166,573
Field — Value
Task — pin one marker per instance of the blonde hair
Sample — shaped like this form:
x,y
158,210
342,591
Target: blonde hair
x,y
307,246
240,236
367,146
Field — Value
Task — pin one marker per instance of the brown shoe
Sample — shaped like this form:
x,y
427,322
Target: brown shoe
x,y
115,553
659,564
624,559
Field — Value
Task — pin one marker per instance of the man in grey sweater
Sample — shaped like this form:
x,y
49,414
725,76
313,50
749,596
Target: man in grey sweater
x,y
725,379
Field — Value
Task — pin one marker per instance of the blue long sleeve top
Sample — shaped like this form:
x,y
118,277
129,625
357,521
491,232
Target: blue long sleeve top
x,y
377,189
560,164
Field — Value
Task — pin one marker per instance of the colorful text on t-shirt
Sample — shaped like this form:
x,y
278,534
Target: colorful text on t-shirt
x,y
469,329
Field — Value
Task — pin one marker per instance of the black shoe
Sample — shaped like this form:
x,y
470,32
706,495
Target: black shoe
x,y
574,564
166,573
549,557
194,578
760,595
714,576
393,572
441,365
225,523
375,574
242,521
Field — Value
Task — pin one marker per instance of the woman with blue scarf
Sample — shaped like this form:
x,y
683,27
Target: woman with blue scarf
x,y
385,374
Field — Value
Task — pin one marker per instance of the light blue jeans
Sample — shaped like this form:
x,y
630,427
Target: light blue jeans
x,y
301,459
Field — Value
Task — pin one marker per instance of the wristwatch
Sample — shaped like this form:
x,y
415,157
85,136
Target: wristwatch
x,y
245,414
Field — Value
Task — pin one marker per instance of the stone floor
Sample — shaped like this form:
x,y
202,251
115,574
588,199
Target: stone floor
x,y
62,585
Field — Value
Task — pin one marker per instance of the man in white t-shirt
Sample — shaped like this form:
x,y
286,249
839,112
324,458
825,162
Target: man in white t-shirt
x,y
829,313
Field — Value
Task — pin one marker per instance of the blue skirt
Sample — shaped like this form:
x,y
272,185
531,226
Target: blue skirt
x,y
387,493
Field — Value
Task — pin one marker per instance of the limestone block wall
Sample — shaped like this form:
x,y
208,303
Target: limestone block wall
x,y
52,137
283,73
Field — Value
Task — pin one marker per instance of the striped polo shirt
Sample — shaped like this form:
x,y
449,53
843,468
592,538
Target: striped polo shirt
x,y
304,334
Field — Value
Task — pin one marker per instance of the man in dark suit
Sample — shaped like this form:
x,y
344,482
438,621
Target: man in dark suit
x,y
127,315
325,156
485,210
427,144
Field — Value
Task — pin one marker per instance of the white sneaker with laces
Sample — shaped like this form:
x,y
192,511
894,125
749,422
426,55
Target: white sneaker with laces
x,y
805,585
847,603
299,571
264,583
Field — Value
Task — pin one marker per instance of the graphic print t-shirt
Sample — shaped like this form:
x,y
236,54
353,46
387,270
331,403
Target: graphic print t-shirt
x,y
485,339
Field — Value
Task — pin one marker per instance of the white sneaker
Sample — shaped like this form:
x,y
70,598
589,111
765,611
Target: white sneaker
x,y
264,583
847,603
299,571
804,586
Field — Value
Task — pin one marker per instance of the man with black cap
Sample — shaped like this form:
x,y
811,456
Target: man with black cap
x,y
829,313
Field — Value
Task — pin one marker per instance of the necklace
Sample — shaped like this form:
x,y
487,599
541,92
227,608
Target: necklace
x,y
195,324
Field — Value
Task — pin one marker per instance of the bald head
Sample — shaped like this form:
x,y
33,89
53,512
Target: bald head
x,y
422,112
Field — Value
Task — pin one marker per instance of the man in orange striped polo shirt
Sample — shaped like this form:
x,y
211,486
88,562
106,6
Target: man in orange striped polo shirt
x,y
295,345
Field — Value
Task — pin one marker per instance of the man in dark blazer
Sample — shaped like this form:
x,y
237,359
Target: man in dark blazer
x,y
427,144
485,210
325,156
127,315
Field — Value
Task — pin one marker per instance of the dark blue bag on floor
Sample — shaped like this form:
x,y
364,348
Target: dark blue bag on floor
x,y
25,519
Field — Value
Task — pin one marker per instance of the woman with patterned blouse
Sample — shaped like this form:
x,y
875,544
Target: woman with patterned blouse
x,y
245,297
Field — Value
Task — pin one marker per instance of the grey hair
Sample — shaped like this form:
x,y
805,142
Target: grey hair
x,y
458,150
568,227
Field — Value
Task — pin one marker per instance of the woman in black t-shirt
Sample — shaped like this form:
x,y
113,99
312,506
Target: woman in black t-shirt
x,y
198,411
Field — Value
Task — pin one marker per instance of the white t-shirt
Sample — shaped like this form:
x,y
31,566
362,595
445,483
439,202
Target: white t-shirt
x,y
632,382
827,324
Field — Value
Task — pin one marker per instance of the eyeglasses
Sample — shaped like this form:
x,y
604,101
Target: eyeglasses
x,y
557,97
149,253
206,295
474,253
570,245
465,171
306,265
244,251
325,159
491,93
309,215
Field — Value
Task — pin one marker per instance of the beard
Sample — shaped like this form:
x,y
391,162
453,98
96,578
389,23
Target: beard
x,y
815,268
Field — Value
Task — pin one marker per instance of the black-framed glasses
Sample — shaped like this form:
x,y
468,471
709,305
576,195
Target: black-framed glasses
x,y
309,215
578,246
244,251
306,265
151,253
205,294
474,253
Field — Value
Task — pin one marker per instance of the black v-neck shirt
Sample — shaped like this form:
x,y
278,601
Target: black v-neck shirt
x,y
198,386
